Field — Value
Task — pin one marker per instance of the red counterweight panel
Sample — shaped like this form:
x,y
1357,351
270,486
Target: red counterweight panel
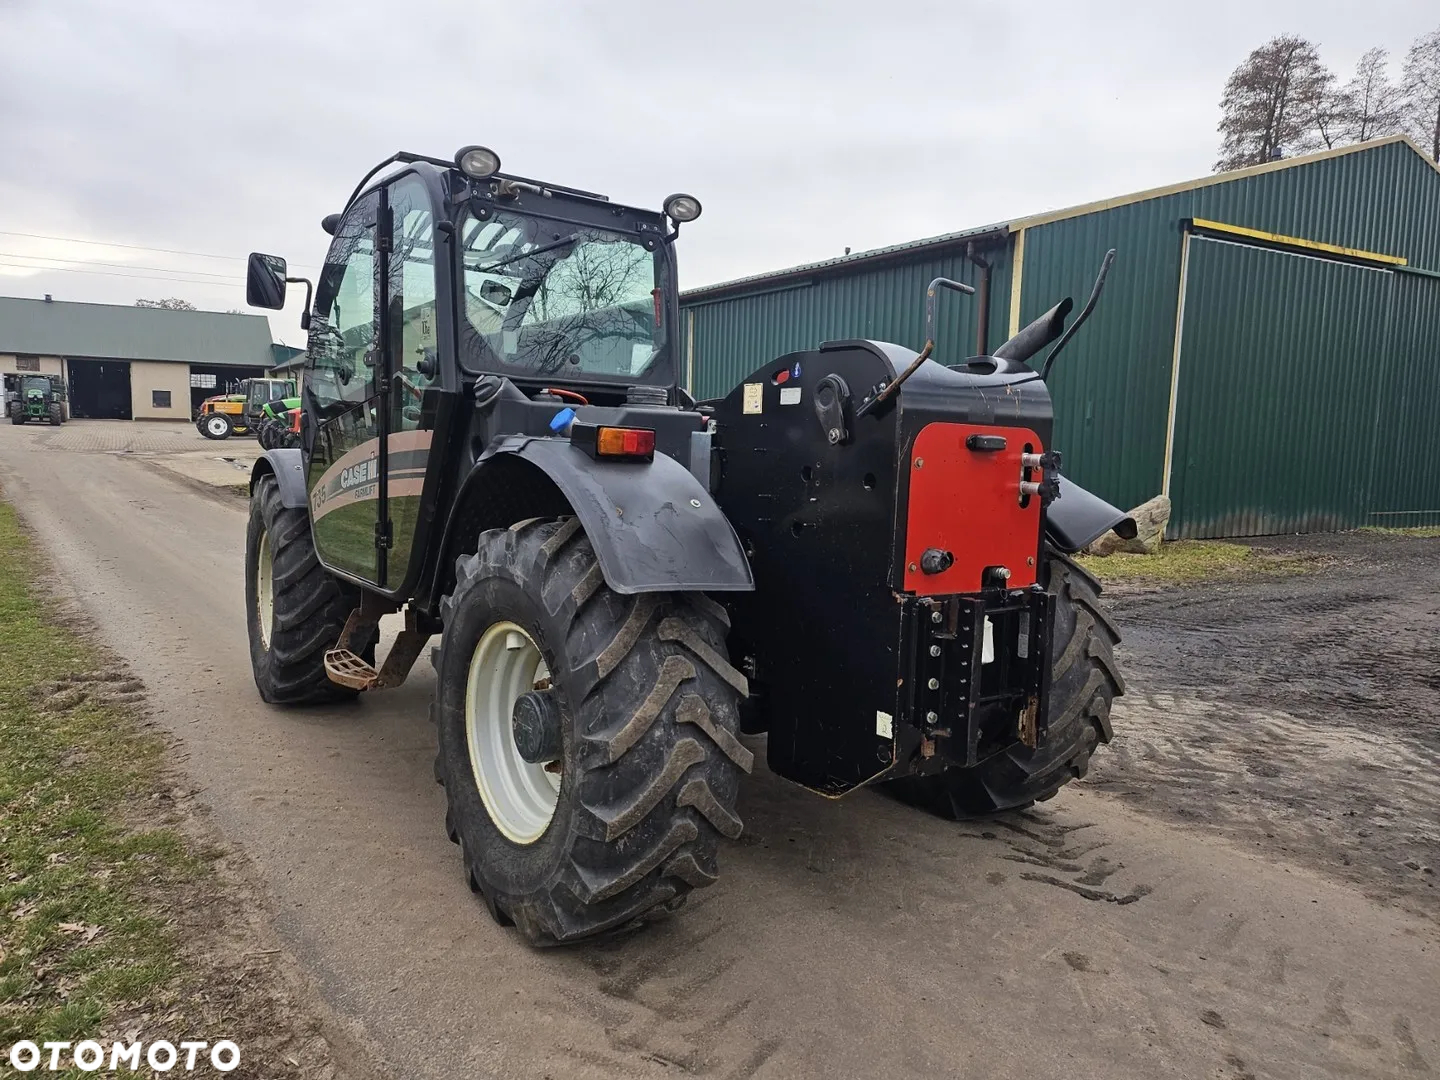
x,y
967,502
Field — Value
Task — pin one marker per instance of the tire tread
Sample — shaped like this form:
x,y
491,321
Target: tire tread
x,y
656,760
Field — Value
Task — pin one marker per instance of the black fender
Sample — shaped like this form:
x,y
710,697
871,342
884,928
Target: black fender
x,y
653,525
1078,518
289,471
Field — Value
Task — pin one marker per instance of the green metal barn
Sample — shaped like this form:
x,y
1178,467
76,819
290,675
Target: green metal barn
x,y
1267,350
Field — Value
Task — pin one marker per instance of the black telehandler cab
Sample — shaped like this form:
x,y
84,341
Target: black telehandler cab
x,y
859,550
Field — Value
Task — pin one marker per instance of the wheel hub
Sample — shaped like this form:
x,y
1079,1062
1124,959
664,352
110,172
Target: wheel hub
x,y
535,722
520,794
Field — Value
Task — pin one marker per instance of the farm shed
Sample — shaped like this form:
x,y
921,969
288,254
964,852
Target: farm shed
x,y
1267,350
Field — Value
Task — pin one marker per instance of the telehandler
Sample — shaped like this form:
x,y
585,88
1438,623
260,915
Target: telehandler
x,y
861,550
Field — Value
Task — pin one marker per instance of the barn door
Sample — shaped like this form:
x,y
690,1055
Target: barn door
x,y
1280,363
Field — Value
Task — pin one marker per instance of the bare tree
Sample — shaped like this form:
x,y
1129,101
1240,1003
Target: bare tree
x,y
1269,102
173,303
1372,105
1327,109
1421,89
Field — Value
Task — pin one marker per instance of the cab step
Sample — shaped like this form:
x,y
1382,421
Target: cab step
x,y
344,668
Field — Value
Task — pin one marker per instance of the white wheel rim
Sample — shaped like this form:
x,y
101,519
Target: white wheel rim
x,y
520,797
216,425
264,588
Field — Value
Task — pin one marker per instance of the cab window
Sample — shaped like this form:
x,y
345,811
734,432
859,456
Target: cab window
x,y
342,353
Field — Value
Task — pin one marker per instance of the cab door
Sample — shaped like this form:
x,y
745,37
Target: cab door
x,y
412,364
344,414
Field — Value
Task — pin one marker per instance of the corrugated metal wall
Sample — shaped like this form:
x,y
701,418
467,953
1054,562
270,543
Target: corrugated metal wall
x,y
733,337
1405,483
1281,365
1112,385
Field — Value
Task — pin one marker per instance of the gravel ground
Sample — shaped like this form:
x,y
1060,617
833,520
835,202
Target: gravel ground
x,y
1298,714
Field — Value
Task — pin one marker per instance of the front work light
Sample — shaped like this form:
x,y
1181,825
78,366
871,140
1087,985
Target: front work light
x,y
477,162
682,208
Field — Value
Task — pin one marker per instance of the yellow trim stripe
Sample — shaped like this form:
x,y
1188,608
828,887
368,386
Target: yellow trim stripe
x,y
1175,366
1017,278
1299,242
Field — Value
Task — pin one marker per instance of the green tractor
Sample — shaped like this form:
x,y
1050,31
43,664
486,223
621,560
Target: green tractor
x,y
863,550
37,397
279,424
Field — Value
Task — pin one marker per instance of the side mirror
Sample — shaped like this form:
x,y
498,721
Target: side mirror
x,y
265,281
492,292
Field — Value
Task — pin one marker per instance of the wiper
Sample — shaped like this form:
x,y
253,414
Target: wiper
x,y
572,238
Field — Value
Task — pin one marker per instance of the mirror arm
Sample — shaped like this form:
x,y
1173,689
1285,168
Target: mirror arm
x,y
309,294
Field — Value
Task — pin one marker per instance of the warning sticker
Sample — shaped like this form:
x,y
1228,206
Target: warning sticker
x,y
790,395
884,725
754,399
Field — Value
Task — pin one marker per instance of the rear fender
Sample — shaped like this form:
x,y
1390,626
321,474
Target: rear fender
x,y
289,472
1078,518
653,525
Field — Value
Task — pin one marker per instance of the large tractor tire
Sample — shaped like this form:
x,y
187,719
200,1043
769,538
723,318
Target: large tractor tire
x,y
295,609
57,415
215,425
1083,681
628,709
17,413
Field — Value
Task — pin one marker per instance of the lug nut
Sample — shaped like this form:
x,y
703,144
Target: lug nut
x,y
931,717
934,684
934,650
934,616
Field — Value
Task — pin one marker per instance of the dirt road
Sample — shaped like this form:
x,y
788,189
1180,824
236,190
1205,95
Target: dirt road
x,y
1298,715
845,939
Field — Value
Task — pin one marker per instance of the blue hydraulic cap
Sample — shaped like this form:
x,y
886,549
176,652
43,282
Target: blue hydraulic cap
x,y
561,421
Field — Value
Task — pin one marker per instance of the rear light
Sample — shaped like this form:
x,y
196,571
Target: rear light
x,y
624,442
614,443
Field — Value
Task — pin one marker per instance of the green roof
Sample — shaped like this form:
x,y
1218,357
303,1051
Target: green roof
x,y
114,332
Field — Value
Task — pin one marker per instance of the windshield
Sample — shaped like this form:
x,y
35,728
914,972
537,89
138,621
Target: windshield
x,y
35,384
555,299
262,392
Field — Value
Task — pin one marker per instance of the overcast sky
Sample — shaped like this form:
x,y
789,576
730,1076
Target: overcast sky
x,y
804,128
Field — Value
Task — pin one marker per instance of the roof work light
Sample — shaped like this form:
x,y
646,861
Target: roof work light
x,y
477,162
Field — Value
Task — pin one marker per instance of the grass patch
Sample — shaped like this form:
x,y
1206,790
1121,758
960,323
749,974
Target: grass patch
x,y
116,920
78,937
1187,562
